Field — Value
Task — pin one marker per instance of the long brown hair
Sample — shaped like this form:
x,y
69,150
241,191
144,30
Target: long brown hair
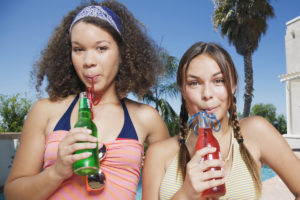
x,y
223,59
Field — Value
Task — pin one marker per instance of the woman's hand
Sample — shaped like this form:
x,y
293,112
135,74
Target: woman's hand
x,y
66,148
198,178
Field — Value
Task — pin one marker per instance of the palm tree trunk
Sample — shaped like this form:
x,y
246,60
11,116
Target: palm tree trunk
x,y
248,83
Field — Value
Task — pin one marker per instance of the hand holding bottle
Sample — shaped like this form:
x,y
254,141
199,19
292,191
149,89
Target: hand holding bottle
x,y
90,165
67,147
198,178
203,128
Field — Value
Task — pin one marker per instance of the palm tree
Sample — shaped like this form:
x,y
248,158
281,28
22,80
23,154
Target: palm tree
x,y
243,22
165,88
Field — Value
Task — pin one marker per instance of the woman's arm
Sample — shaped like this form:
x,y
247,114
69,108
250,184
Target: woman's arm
x,y
154,169
26,180
275,152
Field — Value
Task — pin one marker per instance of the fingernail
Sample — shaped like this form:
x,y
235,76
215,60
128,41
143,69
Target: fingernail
x,y
88,154
88,131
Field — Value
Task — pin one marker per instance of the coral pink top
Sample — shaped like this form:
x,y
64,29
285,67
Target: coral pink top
x,y
121,166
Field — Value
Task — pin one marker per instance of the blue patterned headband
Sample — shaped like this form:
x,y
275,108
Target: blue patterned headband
x,y
101,13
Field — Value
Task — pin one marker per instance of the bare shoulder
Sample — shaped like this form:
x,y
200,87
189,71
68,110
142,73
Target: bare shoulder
x,y
41,109
256,126
140,109
261,138
253,121
147,122
256,130
47,105
47,112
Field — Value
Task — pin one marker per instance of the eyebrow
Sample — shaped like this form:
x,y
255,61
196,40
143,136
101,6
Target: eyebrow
x,y
98,42
74,42
193,76
216,74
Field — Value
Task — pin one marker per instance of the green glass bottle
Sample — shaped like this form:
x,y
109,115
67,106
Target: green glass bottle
x,y
88,165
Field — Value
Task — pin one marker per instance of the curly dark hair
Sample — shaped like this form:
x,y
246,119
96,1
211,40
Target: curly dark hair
x,y
138,69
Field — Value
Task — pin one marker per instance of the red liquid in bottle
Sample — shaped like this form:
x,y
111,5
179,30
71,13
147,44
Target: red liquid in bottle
x,y
206,139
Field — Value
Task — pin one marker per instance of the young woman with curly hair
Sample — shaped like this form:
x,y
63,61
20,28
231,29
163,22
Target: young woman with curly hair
x,y
173,170
101,48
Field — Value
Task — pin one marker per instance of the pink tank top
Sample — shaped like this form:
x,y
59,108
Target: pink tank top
x,y
121,166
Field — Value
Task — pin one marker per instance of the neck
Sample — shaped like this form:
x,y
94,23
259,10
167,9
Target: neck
x,y
109,99
107,95
225,127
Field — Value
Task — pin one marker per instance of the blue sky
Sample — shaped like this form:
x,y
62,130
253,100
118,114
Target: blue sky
x,y
26,26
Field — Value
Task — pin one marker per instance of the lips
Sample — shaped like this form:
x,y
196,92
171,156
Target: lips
x,y
210,110
92,77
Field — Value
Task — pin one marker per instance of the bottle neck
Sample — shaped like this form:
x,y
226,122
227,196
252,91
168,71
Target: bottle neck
x,y
84,113
84,108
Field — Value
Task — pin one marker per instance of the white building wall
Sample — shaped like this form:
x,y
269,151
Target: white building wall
x,y
292,80
295,97
292,44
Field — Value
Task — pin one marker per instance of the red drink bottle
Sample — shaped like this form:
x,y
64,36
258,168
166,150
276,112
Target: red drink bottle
x,y
206,139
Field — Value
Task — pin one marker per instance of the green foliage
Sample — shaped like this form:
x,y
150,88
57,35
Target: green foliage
x,y
268,111
13,111
164,88
242,21
280,124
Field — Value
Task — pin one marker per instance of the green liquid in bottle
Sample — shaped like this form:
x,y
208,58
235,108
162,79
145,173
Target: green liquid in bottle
x,y
88,165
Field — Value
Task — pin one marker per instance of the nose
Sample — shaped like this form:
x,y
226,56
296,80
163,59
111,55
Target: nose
x,y
89,59
207,92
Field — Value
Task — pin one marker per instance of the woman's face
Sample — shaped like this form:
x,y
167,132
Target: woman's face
x,y
204,87
95,55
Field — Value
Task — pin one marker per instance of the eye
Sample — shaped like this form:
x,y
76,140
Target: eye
x,y
77,49
102,48
192,83
219,81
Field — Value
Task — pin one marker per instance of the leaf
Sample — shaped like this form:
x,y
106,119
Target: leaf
x,y
13,111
